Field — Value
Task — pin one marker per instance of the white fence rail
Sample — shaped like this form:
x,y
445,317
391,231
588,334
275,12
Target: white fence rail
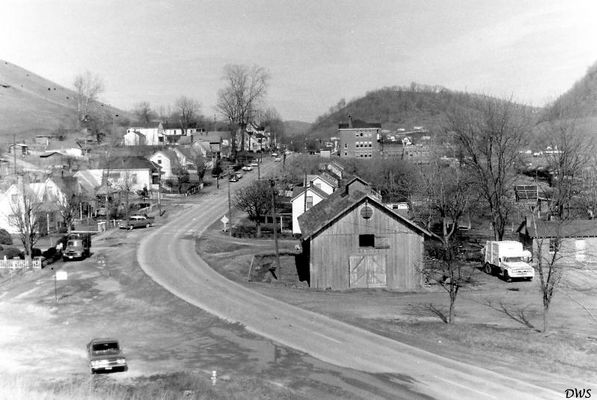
x,y
19,264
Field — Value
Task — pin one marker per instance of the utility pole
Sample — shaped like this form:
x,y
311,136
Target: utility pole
x,y
14,152
273,186
229,208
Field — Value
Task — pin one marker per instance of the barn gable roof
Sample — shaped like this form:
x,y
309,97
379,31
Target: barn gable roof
x,y
330,210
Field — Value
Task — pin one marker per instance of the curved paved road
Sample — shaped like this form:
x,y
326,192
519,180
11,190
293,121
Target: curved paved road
x,y
168,256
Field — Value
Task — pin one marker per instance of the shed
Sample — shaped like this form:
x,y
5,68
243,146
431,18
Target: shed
x,y
576,239
352,240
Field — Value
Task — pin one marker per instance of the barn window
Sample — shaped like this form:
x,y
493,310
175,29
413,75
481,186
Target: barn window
x,y
309,202
366,212
366,240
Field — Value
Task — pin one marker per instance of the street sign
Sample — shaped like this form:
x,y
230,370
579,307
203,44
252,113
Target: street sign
x,y
224,220
61,275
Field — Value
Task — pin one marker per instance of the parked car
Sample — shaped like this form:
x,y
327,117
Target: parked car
x,y
105,355
247,168
78,246
254,164
277,159
233,178
136,221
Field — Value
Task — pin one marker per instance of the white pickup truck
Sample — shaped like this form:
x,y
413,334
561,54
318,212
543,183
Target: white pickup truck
x,y
508,259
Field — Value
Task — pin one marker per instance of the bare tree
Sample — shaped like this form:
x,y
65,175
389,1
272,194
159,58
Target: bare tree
x,y
188,111
88,87
449,197
568,158
239,101
489,141
200,165
25,209
255,200
144,112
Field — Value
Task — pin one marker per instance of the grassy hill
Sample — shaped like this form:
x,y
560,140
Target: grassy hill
x,y
31,105
398,107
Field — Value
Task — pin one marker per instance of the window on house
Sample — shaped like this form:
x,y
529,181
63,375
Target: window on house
x,y
345,145
160,161
366,240
554,245
345,153
309,202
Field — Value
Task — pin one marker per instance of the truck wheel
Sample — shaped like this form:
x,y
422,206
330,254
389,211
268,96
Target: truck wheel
x,y
148,225
487,268
507,277
130,227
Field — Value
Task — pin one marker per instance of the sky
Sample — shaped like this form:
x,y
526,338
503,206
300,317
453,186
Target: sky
x,y
316,51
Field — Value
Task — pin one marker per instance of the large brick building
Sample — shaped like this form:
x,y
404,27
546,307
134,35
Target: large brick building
x,y
359,139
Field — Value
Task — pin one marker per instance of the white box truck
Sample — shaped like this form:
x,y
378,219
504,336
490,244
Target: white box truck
x,y
508,259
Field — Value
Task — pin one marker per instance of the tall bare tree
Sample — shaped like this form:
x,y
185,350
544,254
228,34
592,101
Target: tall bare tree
x,y
449,197
568,159
255,200
239,101
88,87
489,139
187,110
144,112
25,209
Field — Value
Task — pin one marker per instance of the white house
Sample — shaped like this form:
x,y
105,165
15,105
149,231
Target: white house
x,y
167,161
323,184
48,197
151,135
314,196
135,173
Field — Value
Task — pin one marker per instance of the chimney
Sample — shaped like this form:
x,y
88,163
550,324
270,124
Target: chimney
x,y
350,122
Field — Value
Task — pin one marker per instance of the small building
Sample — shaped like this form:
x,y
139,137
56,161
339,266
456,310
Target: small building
x,y
576,240
323,184
351,240
299,203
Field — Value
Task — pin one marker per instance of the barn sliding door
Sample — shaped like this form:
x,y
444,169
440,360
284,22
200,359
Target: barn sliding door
x,y
367,271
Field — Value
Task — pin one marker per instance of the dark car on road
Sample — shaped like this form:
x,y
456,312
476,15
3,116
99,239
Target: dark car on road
x,y
136,221
105,355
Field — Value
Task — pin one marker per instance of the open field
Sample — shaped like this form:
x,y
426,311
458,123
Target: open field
x,y
496,324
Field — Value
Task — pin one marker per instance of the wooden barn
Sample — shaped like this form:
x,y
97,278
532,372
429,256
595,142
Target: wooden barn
x,y
351,240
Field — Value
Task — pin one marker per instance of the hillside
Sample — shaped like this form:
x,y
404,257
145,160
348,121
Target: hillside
x,y
294,128
31,105
397,107
579,102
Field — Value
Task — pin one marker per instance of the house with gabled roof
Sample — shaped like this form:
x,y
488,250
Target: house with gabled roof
x,y
134,172
323,183
168,161
314,195
151,134
353,241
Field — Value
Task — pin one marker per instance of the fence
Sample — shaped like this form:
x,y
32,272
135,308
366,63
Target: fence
x,y
19,264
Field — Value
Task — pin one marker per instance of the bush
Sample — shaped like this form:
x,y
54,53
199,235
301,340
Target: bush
x,y
5,237
10,252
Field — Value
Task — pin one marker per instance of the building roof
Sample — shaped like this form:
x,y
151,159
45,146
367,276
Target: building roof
x,y
339,203
299,190
559,229
359,124
128,162
331,182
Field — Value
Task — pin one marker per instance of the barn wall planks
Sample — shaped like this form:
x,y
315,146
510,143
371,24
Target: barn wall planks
x,y
332,248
